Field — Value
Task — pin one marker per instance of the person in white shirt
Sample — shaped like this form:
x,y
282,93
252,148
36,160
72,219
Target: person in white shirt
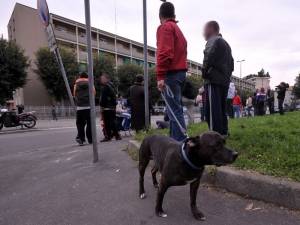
x,y
230,96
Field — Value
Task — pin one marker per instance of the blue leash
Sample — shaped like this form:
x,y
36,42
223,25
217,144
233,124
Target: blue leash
x,y
169,92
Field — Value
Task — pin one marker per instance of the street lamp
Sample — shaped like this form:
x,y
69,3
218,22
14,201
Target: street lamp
x,y
240,62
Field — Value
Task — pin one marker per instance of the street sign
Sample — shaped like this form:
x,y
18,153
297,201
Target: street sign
x,y
43,12
51,38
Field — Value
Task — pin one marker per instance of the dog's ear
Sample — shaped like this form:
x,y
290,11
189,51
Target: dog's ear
x,y
193,142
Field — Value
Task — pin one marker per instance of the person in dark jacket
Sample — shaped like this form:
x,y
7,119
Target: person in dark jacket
x,y
171,66
108,102
137,104
217,69
83,110
270,100
281,90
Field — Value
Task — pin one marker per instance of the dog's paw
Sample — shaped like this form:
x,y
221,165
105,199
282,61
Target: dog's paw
x,y
143,196
199,215
161,214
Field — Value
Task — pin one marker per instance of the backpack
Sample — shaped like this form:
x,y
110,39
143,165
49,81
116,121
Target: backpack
x,y
189,91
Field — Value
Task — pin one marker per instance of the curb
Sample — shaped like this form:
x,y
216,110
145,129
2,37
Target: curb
x,y
253,185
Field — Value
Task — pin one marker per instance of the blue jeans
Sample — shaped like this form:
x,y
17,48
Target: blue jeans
x,y
237,111
175,81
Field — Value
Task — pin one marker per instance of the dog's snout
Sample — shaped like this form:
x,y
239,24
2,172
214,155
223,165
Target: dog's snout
x,y
235,155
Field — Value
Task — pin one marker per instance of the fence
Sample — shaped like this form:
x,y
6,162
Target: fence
x,y
45,112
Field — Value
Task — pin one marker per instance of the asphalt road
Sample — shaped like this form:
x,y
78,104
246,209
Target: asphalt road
x,y
45,179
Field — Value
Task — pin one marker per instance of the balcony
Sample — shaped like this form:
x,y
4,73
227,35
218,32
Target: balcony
x,y
66,35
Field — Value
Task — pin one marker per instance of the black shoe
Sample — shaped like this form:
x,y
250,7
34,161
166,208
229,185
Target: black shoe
x,y
118,138
80,142
105,140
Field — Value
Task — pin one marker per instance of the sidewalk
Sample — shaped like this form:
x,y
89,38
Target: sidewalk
x,y
60,185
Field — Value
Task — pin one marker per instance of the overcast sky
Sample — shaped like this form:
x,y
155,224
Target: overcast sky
x,y
266,33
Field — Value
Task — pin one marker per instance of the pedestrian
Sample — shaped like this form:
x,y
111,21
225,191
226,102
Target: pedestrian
x,y
83,109
254,102
270,100
249,106
200,101
137,104
53,112
230,96
237,105
281,91
261,99
171,67
217,69
108,103
189,95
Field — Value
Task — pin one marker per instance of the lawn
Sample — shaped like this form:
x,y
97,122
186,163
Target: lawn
x,y
269,145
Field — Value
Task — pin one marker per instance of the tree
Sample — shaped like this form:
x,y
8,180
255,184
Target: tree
x,y
50,74
126,76
196,80
261,73
154,92
13,66
296,90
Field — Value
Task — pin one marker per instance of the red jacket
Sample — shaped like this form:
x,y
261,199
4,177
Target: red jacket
x,y
171,49
236,100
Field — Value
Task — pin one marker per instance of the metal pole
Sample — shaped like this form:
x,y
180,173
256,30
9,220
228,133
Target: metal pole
x,y
64,75
146,77
91,79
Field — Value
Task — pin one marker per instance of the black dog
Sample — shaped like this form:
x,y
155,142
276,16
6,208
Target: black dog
x,y
180,164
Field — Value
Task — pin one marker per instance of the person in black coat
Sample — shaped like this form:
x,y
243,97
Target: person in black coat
x,y
217,69
281,90
108,102
137,104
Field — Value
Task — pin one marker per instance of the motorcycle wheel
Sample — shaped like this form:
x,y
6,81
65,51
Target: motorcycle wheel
x,y
29,122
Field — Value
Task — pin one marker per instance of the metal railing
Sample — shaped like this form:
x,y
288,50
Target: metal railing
x,y
62,112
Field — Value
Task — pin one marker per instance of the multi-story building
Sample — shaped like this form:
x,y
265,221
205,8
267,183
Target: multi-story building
x,y
260,82
243,84
25,28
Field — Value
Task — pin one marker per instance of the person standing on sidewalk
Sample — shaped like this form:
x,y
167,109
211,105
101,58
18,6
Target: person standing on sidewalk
x,y
171,66
83,109
137,104
217,69
108,103
237,105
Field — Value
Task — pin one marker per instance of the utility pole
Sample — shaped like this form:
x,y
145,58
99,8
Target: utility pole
x,y
146,77
240,81
91,79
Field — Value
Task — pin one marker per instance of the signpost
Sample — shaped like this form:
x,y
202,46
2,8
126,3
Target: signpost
x,y
91,78
146,77
44,14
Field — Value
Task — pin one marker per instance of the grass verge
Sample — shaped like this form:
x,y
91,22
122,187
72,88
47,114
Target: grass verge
x,y
269,145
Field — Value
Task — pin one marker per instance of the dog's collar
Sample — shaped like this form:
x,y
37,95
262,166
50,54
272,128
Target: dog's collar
x,y
187,160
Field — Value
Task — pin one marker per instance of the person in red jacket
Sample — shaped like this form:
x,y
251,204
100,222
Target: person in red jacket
x,y
171,66
237,105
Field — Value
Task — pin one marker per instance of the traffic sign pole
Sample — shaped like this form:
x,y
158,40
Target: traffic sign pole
x,y
44,14
146,77
91,79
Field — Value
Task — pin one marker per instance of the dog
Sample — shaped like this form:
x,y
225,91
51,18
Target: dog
x,y
181,163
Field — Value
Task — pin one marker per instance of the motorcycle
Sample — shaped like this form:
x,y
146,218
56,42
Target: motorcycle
x,y
11,119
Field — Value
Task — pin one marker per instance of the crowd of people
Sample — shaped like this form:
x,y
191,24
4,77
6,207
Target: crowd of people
x,y
218,99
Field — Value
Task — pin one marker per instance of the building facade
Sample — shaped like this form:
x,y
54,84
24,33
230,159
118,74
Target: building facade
x,y
26,29
260,82
242,84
